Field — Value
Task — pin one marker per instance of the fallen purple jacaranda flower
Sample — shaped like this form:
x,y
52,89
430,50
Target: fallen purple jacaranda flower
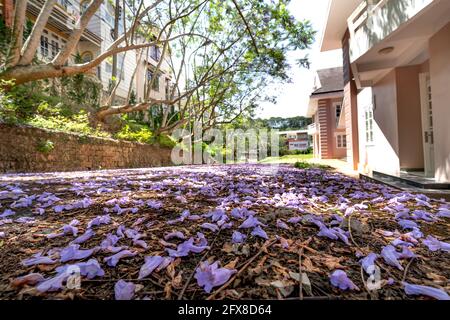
x,y
84,237
67,229
109,241
434,244
413,289
53,284
201,240
38,258
237,213
185,248
328,233
443,213
72,252
295,220
238,237
175,234
124,290
210,226
90,269
114,259
153,204
251,222
391,256
282,225
140,243
259,232
407,224
2,234
7,213
105,219
120,231
406,253
151,263
27,220
368,263
210,275
340,280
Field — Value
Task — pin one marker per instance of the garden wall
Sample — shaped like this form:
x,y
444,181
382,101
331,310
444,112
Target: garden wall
x,y
24,149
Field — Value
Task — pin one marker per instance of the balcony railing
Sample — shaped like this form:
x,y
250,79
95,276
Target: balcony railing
x,y
374,20
313,129
360,16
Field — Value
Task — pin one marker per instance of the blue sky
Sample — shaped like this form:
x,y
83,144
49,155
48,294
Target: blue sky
x,y
293,98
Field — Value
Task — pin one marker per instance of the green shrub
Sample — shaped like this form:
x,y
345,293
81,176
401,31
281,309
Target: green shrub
x,y
307,165
78,123
143,135
45,146
166,141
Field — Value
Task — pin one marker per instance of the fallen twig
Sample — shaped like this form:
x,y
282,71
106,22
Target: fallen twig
x,y
244,267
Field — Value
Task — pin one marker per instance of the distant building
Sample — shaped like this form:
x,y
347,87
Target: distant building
x,y
325,108
96,38
296,139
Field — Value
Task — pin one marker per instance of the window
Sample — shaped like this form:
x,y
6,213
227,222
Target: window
x,y
55,48
341,141
155,53
338,110
155,85
108,67
44,46
369,125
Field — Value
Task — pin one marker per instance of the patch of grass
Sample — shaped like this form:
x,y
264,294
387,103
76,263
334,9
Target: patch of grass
x,y
289,159
309,165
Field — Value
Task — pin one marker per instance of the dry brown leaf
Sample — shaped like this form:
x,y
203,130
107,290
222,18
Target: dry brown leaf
x,y
232,264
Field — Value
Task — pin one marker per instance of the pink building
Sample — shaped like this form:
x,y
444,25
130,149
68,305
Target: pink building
x,y
396,88
325,108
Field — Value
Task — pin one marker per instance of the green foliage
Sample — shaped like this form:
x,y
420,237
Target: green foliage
x,y
45,146
8,109
166,141
308,165
77,123
143,135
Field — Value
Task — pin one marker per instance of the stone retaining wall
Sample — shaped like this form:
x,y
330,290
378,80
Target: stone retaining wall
x,y
20,145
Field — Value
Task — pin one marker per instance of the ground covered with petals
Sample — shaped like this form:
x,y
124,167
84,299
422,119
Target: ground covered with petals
x,y
215,232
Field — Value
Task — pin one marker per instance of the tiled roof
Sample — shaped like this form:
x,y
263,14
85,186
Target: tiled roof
x,y
331,80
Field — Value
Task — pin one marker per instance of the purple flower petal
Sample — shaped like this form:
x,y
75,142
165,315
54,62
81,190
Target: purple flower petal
x,y
114,259
282,225
105,219
340,280
434,244
84,237
259,232
251,222
390,256
210,275
368,262
72,252
124,290
210,226
238,237
151,263
412,290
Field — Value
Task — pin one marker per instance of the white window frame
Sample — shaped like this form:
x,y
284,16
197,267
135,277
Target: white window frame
x,y
341,141
368,125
